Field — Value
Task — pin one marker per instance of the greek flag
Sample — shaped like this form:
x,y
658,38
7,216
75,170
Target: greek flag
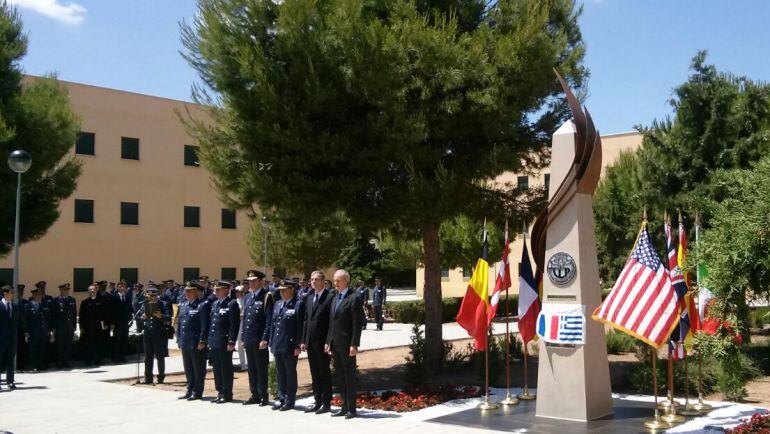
x,y
562,323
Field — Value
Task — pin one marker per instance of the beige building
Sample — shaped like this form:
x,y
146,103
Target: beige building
x,y
143,208
455,282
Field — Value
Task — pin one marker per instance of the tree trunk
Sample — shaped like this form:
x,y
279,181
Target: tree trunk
x,y
432,298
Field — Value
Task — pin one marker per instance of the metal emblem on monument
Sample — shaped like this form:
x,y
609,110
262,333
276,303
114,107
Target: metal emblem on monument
x,y
561,268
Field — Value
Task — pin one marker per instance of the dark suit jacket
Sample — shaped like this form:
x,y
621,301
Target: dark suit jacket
x,y
345,321
286,325
9,325
122,310
317,319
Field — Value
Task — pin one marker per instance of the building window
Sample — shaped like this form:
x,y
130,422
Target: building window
x,y
84,145
6,277
190,274
192,217
84,211
522,182
228,219
445,273
227,273
129,275
547,180
467,272
82,278
129,148
191,155
129,213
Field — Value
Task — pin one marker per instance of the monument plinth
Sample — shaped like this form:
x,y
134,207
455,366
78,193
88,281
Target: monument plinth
x,y
573,371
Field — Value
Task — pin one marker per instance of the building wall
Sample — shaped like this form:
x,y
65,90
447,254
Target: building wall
x,y
455,284
159,246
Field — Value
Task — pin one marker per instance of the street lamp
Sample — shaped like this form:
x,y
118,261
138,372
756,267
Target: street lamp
x,y
265,220
19,161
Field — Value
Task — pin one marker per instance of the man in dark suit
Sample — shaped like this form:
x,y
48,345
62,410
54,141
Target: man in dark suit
x,y
192,336
10,320
343,339
284,339
363,293
122,312
65,322
317,310
91,320
153,317
223,334
257,315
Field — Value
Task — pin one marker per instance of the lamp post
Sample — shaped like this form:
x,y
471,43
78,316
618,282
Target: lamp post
x,y
19,161
265,220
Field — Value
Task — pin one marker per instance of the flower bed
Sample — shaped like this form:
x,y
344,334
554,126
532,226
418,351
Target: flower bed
x,y
759,423
412,399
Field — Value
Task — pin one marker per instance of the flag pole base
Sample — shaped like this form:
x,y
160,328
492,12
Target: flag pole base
x,y
526,396
702,407
690,410
656,424
509,400
667,404
672,418
487,405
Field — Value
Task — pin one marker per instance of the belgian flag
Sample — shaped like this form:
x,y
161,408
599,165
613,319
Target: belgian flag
x,y
473,310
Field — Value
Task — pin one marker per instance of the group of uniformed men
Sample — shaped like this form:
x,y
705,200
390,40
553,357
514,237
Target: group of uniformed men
x,y
285,317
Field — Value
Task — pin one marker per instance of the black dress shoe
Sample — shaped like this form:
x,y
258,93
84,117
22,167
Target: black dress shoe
x,y
250,401
313,408
148,382
339,413
225,399
194,397
186,395
264,403
217,399
277,405
12,386
324,409
350,416
161,379
286,407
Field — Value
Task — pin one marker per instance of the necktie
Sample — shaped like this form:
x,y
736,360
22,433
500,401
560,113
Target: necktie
x,y
339,301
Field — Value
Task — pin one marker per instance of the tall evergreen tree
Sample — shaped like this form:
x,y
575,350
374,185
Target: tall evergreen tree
x,y
34,116
399,113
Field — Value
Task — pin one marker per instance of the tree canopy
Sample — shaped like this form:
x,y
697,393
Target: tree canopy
x,y
398,113
35,116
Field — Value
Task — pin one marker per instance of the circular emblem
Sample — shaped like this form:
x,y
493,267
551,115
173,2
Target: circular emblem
x,y
561,268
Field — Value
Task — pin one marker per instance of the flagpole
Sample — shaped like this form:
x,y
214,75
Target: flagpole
x,y
487,405
673,406
700,406
525,396
655,424
509,399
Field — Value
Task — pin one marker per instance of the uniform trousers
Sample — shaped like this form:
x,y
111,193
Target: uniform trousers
x,y
378,316
154,349
257,361
194,362
286,367
37,347
223,371
63,347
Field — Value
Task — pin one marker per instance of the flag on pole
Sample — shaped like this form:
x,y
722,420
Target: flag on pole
x,y
642,302
704,295
473,310
690,314
529,302
503,280
675,344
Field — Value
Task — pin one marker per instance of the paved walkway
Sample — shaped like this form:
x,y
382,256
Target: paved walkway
x,y
82,401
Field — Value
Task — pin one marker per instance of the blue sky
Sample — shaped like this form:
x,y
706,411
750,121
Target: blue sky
x,y
638,51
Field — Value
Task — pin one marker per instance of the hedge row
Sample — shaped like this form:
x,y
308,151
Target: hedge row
x,y
413,311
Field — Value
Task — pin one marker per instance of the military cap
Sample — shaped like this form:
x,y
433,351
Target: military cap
x,y
151,289
168,281
40,284
112,283
203,278
193,285
5,288
64,286
21,286
254,274
222,284
138,285
102,283
239,288
35,289
378,278
276,275
286,284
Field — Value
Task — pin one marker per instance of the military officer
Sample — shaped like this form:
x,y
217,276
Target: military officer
x,y
10,320
304,289
363,293
285,338
122,313
153,315
192,336
208,293
137,297
257,313
378,301
38,331
316,327
65,322
223,333
274,286
91,320
105,340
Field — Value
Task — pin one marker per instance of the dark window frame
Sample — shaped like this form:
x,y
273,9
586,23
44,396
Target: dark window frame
x,y
191,156
79,283
130,275
125,211
229,220
126,152
85,143
525,182
190,273
81,214
189,221
228,273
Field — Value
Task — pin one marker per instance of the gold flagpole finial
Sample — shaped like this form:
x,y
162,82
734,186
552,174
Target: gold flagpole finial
x,y
665,216
645,213
680,216
697,218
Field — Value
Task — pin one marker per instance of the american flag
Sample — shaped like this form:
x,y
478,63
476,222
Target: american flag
x,y
642,302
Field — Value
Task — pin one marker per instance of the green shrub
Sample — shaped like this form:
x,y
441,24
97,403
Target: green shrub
x,y
640,376
737,370
413,311
272,380
619,343
759,353
496,361
759,316
417,370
